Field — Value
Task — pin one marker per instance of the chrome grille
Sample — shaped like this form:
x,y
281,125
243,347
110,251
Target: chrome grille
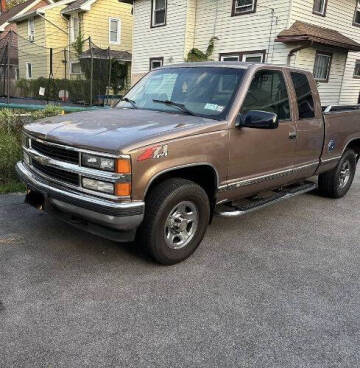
x,y
58,174
56,152
62,165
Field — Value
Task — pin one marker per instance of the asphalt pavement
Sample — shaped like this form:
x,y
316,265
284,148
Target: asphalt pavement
x,y
277,288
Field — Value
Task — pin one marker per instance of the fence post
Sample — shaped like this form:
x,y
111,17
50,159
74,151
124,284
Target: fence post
x,y
109,79
65,64
91,71
8,69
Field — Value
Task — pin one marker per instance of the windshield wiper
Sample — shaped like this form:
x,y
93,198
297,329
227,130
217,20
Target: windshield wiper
x,y
180,106
131,102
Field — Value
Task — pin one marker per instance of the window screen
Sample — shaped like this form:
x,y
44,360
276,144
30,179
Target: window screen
x,y
304,96
244,6
322,67
268,93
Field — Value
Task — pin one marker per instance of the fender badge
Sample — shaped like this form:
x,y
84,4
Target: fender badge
x,y
154,152
331,145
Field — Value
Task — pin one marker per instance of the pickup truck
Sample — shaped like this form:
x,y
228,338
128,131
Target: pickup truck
x,y
187,142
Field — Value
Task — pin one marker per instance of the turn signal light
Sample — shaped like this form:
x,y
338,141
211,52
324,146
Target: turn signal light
x,y
123,166
123,189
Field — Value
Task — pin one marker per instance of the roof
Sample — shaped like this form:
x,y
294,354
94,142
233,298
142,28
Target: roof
x,y
4,17
37,11
301,31
78,5
104,54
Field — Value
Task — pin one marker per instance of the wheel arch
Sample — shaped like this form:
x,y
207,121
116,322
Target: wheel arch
x,y
354,144
203,174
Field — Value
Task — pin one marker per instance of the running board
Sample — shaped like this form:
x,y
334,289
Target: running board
x,y
246,206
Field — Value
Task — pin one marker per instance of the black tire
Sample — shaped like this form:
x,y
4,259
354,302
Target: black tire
x,y
330,182
160,203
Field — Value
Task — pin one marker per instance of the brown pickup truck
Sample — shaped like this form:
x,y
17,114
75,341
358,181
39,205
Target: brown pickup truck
x,y
187,142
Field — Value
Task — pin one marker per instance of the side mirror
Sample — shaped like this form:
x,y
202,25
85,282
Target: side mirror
x,y
258,120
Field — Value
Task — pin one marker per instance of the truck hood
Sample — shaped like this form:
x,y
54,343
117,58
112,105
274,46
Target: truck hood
x,y
119,130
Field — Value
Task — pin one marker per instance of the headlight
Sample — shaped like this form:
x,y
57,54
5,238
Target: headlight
x,y
121,166
98,186
97,162
119,189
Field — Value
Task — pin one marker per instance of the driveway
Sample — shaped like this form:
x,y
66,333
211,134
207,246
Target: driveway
x,y
277,288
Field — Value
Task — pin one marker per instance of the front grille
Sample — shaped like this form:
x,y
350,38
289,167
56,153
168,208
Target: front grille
x,y
55,152
58,174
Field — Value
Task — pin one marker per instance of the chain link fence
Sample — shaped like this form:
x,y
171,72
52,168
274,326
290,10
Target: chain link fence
x,y
79,74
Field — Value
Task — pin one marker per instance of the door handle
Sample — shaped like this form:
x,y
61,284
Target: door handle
x,y
292,135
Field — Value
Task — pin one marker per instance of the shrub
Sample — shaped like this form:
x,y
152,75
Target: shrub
x,y
11,123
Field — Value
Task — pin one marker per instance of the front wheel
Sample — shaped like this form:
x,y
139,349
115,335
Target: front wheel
x,y
337,182
176,218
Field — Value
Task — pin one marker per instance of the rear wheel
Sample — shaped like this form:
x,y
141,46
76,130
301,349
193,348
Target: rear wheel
x,y
337,182
176,218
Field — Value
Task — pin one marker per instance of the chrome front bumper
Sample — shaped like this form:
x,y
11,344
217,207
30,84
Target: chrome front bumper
x,y
120,216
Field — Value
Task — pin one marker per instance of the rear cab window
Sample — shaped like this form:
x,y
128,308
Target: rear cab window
x,y
304,97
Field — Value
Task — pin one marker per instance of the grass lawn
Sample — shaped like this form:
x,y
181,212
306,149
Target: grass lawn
x,y
12,187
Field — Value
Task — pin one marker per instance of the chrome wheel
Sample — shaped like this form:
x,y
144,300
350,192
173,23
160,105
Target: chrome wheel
x,y
181,225
345,174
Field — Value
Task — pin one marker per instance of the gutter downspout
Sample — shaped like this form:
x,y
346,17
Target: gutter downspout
x,y
295,50
343,78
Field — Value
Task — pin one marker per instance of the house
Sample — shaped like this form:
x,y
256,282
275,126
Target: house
x,y
54,38
8,38
322,36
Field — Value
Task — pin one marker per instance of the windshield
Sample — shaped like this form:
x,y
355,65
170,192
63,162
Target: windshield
x,y
201,91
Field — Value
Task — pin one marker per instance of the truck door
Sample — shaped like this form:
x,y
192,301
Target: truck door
x,y
262,159
309,125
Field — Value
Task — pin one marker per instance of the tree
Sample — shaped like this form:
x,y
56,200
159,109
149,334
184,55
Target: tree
x,y
11,3
196,55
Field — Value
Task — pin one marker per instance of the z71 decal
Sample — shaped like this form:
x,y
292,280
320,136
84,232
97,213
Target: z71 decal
x,y
154,152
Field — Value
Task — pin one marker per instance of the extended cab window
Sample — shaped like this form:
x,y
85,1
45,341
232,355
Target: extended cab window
x,y
268,93
304,95
202,91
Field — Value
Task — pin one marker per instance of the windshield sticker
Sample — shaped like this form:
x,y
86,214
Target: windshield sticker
x,y
214,107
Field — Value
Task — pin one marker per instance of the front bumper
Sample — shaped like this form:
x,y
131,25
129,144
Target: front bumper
x,y
114,220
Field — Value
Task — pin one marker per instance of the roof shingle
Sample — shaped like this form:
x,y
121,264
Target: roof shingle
x,y
74,6
4,17
301,31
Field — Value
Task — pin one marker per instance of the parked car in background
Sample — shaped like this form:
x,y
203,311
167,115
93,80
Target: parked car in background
x,y
187,142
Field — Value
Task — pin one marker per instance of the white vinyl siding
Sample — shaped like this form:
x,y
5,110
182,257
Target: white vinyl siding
x,y
340,17
115,31
191,24
169,41
242,33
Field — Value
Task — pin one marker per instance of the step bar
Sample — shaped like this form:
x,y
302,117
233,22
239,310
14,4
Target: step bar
x,y
230,210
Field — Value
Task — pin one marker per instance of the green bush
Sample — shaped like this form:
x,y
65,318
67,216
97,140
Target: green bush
x,y
11,123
